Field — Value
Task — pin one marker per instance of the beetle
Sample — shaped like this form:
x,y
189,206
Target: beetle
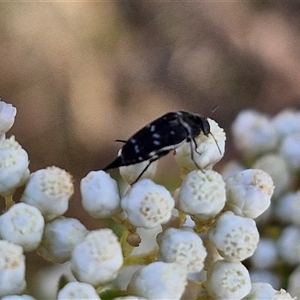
x,y
159,137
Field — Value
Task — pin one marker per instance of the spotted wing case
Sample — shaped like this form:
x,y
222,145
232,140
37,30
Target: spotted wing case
x,y
151,142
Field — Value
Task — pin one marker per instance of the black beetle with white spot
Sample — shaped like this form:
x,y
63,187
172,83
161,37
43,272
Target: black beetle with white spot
x,y
161,136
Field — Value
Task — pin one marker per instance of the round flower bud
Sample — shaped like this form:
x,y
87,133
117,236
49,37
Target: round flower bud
x,y
293,284
262,290
100,195
210,149
12,268
265,255
228,280
286,122
131,173
49,190
98,258
16,297
287,209
202,194
277,168
235,237
290,239
60,237
77,290
182,246
249,193
14,163
159,280
290,150
7,116
284,207
253,133
22,224
147,204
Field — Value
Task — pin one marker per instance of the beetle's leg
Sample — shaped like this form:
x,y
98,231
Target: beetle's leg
x,y
216,143
192,140
196,146
145,169
151,160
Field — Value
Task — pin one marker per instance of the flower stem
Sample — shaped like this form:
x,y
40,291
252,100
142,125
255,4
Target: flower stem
x,y
9,202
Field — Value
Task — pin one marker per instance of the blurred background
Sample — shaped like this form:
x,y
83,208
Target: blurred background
x,y
83,74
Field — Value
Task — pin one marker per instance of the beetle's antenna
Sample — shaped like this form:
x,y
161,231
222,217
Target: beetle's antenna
x,y
121,141
214,109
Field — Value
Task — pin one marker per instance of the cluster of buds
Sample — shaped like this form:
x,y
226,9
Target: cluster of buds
x,y
272,144
188,244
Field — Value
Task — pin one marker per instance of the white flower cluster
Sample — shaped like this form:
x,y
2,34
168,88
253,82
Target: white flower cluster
x,y
271,144
36,222
202,232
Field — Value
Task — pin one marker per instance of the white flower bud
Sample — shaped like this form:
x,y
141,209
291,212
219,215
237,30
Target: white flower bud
x,y
98,258
100,195
260,275
7,116
124,277
235,237
289,245
13,166
202,194
131,173
249,193
265,255
16,297
60,237
287,208
284,207
49,190
12,268
277,168
262,290
253,133
210,149
147,204
286,122
159,280
77,290
228,280
231,168
290,150
22,224
182,246
293,284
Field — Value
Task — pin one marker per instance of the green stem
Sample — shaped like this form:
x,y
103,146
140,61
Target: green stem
x,y
9,202
128,229
143,259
